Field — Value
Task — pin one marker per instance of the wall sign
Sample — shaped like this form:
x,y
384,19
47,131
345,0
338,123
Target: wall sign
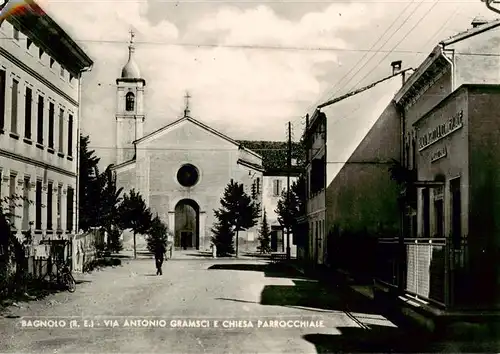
x,y
441,131
438,154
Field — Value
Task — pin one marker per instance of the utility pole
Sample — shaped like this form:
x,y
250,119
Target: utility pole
x,y
289,168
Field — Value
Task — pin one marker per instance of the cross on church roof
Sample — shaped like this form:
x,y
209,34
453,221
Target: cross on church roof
x,y
132,35
186,110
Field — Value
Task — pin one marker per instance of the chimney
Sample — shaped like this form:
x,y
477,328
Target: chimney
x,y
396,67
478,21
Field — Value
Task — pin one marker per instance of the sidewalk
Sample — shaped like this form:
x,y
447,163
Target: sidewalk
x,y
459,337
337,279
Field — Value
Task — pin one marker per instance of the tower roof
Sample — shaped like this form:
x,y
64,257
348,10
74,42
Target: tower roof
x,y
131,69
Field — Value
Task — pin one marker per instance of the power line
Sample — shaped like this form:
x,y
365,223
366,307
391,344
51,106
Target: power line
x,y
407,51
397,44
450,17
366,53
214,45
380,49
183,2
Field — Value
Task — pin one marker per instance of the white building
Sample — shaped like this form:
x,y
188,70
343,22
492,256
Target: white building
x,y
40,73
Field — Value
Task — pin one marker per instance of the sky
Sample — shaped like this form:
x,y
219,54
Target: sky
x,y
250,66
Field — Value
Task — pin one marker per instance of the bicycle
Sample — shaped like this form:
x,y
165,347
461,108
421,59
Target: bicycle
x,y
67,278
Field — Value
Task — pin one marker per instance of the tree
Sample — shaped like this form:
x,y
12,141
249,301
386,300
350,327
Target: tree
x,y
88,185
108,217
135,215
12,249
223,236
265,236
237,210
289,209
157,234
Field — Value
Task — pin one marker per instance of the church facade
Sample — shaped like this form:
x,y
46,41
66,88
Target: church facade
x,y
181,169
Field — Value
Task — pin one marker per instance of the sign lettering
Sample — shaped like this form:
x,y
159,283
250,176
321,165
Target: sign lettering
x,y
441,131
438,154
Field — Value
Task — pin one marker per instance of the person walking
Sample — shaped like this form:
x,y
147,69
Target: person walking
x,y
159,257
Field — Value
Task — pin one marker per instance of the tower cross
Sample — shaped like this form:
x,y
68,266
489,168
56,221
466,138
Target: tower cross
x,y
186,110
132,35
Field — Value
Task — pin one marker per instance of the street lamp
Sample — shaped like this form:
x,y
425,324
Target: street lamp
x,y
489,5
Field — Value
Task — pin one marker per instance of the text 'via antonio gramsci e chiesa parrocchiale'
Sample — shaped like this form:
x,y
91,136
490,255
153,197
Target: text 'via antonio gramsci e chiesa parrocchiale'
x,y
135,322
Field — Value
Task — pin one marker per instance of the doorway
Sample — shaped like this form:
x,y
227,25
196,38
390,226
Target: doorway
x,y
187,225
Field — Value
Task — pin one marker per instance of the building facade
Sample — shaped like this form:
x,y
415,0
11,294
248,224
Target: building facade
x,y
275,184
347,158
40,75
181,169
447,226
315,171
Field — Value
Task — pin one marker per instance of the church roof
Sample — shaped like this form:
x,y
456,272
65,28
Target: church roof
x,y
201,125
274,153
131,69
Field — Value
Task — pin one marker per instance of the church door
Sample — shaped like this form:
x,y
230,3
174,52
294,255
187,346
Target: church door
x,y
187,225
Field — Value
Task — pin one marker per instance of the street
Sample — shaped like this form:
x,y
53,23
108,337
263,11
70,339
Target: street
x,y
197,288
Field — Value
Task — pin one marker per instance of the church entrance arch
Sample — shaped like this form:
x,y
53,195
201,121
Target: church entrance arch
x,y
187,225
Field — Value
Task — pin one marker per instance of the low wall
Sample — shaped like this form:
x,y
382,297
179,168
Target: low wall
x,y
84,248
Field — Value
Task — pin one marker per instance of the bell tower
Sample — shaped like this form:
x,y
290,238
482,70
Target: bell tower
x,y
129,107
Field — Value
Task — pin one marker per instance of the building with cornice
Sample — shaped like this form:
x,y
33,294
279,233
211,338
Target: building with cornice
x,y
40,72
449,149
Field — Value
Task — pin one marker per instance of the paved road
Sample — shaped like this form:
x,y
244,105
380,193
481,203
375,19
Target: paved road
x,y
198,288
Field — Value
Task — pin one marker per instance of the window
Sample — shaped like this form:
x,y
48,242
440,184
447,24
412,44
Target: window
x,y
2,99
439,213
129,101
52,61
277,187
39,126
258,186
27,116
12,202
414,154
318,175
15,34
13,118
62,71
188,175
407,157
59,205
70,135
51,125
49,205
38,205
426,212
254,190
456,212
61,130
29,42
26,204
69,210
40,53
414,226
